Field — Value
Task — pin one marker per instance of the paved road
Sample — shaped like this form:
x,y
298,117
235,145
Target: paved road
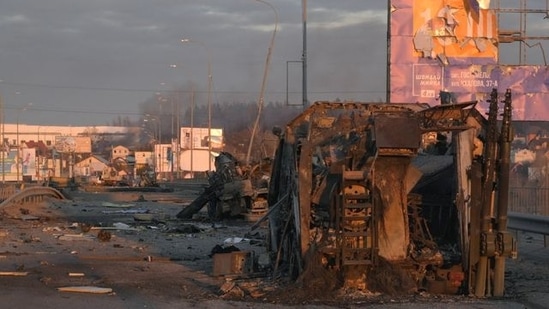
x,y
138,284
528,275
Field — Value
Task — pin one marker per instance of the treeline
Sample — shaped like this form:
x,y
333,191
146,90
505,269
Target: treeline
x,y
231,117
236,117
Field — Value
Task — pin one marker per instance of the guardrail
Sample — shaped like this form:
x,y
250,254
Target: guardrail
x,y
32,195
529,223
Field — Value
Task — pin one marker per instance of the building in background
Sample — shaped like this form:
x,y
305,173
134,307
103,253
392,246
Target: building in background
x,y
91,166
35,153
198,138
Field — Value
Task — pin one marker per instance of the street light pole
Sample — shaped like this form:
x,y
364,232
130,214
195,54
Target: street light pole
x,y
178,133
3,146
260,102
157,136
192,131
178,121
210,77
160,136
160,101
18,162
38,161
171,137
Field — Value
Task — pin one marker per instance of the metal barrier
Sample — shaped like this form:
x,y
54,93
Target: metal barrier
x,y
32,195
7,191
529,223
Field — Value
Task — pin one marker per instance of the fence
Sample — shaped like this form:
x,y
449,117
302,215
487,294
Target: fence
x,y
529,199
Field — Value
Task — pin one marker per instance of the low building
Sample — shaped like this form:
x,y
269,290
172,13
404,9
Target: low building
x,y
120,152
91,166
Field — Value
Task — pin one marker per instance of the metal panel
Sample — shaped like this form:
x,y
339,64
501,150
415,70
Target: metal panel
x,y
397,132
238,262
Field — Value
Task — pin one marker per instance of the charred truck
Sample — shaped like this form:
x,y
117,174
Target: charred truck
x,y
394,198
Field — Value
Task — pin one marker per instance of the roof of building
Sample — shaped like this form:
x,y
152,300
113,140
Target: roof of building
x,y
42,148
98,158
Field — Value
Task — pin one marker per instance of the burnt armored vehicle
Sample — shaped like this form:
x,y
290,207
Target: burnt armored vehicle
x,y
393,197
230,192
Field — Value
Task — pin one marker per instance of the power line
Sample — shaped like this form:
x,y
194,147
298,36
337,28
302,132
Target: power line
x,y
75,111
49,86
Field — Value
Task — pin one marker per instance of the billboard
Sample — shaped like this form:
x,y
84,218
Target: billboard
x,y
452,46
77,144
454,29
13,168
198,138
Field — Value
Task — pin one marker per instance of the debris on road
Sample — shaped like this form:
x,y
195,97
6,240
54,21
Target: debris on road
x,y
13,273
104,236
85,289
76,237
114,205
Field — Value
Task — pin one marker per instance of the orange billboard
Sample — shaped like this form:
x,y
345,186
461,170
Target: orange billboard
x,y
445,29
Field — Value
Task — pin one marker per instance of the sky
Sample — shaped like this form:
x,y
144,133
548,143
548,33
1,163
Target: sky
x,y
74,62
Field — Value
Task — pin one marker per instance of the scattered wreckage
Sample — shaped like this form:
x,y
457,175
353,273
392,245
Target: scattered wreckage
x,y
111,176
230,192
393,198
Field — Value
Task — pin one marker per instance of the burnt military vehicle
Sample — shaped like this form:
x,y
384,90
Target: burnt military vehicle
x,y
231,192
394,197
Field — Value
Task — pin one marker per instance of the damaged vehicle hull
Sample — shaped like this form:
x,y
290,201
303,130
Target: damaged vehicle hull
x,y
395,198
230,192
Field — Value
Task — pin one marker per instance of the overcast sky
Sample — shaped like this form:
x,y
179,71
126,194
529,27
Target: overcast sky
x,y
85,62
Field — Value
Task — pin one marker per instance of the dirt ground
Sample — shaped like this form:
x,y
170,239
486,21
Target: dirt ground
x,y
132,244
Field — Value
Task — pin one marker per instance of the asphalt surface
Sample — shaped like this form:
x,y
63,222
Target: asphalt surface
x,y
36,248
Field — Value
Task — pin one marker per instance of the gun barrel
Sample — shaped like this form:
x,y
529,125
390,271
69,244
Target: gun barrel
x,y
504,166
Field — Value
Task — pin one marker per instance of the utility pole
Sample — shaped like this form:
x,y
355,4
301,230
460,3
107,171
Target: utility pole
x,y
304,55
3,149
19,161
178,149
192,131
261,100
210,84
